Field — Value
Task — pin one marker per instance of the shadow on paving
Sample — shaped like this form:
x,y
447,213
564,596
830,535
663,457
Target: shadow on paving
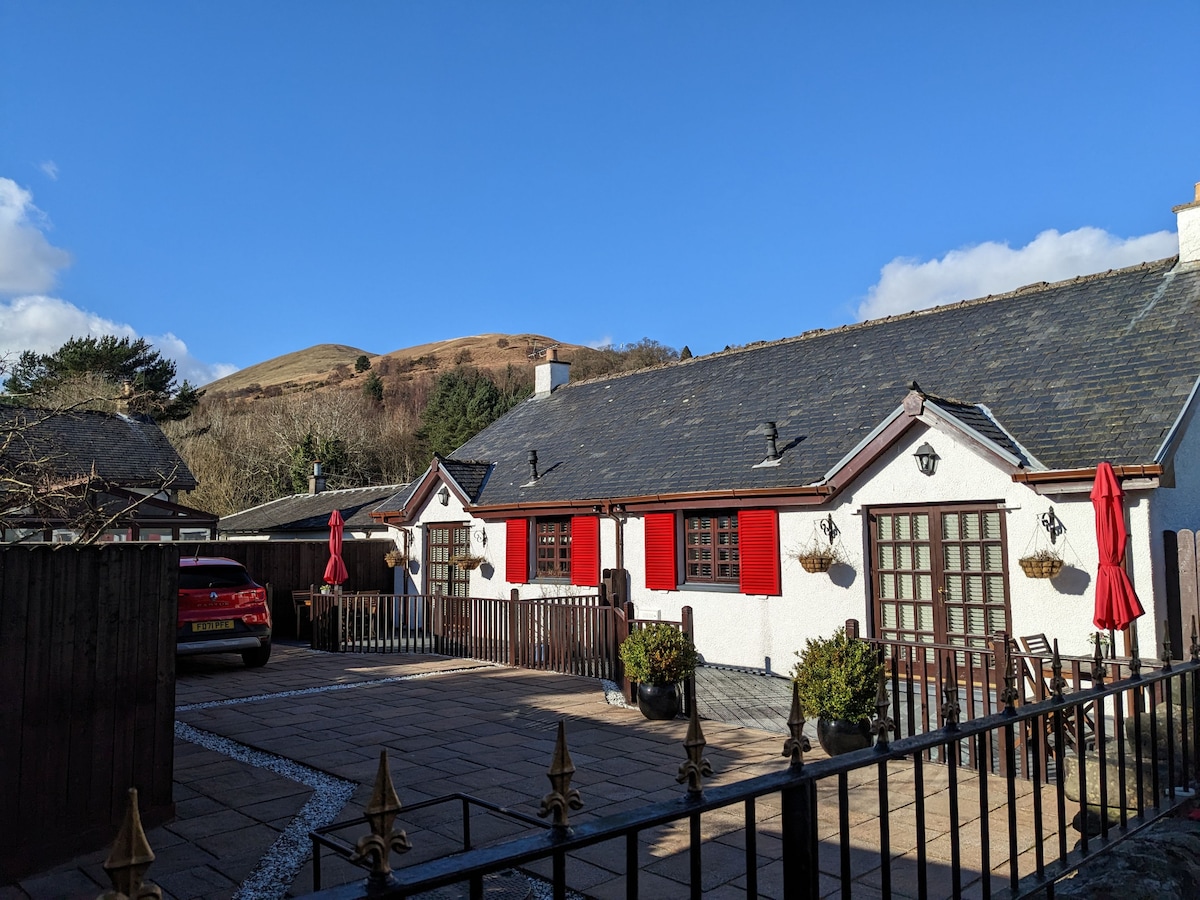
x,y
487,731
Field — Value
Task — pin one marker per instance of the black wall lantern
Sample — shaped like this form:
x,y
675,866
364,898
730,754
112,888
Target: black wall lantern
x,y
927,459
444,496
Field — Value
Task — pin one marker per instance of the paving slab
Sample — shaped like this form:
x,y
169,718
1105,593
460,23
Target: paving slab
x,y
460,725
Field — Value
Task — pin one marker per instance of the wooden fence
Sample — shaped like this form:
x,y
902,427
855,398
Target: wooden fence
x,y
288,566
572,635
87,669
1182,574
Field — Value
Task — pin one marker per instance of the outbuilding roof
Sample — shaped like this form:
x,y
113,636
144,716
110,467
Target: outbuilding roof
x,y
1064,375
310,512
124,450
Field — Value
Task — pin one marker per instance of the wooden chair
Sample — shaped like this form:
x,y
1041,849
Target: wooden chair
x,y
1039,645
302,602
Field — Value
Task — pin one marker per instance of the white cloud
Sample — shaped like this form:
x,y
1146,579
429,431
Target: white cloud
x,y
601,343
993,268
30,320
50,168
28,262
43,324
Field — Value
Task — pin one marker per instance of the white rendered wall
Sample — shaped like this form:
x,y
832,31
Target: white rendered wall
x,y
736,629
765,632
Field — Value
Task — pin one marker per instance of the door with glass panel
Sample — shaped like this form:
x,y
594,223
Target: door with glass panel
x,y
938,574
444,542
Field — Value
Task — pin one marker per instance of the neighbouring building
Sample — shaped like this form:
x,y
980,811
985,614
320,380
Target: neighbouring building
x,y
68,474
931,450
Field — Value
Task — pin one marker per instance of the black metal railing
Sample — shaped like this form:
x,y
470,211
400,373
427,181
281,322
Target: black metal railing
x,y
905,811
1102,787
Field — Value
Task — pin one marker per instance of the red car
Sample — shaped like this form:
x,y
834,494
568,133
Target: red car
x,y
222,610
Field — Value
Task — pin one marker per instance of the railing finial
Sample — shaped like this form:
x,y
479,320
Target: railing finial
x,y
1195,642
1099,670
1057,683
950,706
129,859
1010,694
562,798
882,725
1135,655
379,845
1166,647
798,744
696,767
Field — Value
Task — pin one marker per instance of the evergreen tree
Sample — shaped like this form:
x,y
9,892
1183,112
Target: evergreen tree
x,y
362,364
104,364
463,403
373,387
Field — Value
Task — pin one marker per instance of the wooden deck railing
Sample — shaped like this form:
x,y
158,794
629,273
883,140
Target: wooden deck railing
x,y
575,635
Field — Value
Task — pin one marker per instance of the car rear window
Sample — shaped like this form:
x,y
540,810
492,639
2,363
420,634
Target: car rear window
x,y
200,577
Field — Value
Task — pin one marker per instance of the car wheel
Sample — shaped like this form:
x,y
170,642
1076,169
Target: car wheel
x,y
256,659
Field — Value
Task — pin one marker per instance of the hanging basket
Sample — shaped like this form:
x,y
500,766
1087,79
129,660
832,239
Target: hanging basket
x,y
466,563
395,558
816,562
1043,565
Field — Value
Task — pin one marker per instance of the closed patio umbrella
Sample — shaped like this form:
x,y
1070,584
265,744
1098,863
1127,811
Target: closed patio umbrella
x,y
335,569
1117,604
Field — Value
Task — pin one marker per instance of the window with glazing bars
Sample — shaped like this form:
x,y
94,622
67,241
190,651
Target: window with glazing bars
x,y
553,548
711,547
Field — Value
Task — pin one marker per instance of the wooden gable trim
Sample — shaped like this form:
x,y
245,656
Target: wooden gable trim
x,y
435,475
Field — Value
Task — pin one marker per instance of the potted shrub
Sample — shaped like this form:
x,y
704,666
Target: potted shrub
x,y
658,656
837,680
1043,564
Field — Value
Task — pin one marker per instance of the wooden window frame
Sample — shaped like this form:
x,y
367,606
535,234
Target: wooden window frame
x,y
552,556
733,577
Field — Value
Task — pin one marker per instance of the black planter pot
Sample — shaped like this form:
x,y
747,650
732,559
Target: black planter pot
x,y
837,736
658,701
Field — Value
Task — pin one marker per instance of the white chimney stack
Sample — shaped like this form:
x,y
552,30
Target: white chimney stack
x,y
550,375
1188,218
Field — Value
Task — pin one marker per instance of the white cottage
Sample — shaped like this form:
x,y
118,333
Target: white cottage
x,y
932,450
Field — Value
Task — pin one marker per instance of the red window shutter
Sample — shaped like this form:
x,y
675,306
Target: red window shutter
x,y
758,551
585,550
516,557
660,552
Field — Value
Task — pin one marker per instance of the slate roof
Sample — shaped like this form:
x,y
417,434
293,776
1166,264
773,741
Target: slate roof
x,y
310,512
1095,368
470,476
130,451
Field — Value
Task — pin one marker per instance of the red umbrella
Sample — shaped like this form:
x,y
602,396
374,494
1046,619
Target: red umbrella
x,y
1116,603
335,570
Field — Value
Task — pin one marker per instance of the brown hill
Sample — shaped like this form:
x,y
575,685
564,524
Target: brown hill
x,y
327,365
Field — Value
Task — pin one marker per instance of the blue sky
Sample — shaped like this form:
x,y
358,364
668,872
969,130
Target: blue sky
x,y
238,180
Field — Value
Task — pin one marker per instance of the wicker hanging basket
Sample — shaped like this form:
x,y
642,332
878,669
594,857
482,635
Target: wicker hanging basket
x,y
395,558
816,562
1043,565
466,563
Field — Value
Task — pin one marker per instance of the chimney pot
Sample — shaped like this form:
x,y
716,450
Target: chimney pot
x,y
316,481
550,375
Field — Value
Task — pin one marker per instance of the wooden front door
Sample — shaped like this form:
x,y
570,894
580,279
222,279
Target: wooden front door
x,y
939,574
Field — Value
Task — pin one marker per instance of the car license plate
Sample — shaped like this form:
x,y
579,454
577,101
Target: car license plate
x,y
218,625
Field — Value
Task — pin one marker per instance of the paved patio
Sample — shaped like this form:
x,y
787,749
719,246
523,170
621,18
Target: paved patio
x,y
306,732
